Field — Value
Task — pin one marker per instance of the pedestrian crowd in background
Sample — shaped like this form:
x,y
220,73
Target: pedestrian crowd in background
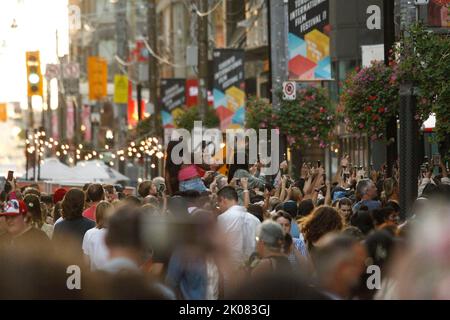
x,y
200,233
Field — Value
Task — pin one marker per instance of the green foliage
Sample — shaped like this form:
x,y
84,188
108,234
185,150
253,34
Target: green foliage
x,y
425,60
369,99
145,127
307,120
186,118
259,114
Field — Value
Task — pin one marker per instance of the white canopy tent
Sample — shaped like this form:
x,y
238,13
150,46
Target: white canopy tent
x,y
52,169
96,171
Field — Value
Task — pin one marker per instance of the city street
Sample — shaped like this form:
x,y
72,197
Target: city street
x,y
220,150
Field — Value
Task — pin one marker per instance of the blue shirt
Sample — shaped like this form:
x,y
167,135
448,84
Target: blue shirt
x,y
187,273
295,232
300,246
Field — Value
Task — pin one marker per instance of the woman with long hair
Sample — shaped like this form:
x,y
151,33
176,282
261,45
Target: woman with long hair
x,y
323,220
94,248
35,217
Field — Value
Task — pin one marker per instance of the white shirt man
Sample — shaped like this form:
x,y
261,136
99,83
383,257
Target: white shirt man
x,y
238,225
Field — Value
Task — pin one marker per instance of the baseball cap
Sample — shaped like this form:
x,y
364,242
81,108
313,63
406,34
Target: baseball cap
x,y
59,195
14,208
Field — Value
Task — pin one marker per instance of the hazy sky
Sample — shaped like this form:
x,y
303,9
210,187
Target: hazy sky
x,y
37,22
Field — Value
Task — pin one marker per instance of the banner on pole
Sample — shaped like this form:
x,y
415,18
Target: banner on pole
x,y
309,40
173,93
120,89
70,119
98,78
229,87
86,121
3,112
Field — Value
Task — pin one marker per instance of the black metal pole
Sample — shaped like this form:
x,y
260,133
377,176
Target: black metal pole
x,y
39,162
269,41
409,137
26,154
139,100
34,154
391,127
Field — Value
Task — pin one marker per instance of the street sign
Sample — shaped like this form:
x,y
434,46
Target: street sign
x,y
71,70
289,90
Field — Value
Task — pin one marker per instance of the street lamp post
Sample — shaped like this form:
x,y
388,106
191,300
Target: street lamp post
x,y
409,129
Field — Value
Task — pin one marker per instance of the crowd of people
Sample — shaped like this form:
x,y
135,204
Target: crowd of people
x,y
200,233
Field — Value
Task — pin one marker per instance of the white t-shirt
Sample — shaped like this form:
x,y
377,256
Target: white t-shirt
x,y
95,248
239,227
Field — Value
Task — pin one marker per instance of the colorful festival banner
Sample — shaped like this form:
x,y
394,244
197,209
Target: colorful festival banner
x,y
120,89
229,87
309,40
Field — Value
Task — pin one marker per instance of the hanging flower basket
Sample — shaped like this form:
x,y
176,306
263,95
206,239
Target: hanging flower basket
x,y
308,120
369,99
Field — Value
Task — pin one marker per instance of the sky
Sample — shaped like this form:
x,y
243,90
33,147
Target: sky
x,y
37,22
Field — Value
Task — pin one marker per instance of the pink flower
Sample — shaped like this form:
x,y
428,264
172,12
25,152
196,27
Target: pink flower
x,y
322,145
314,129
361,125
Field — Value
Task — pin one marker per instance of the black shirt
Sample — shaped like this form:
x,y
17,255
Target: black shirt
x,y
74,228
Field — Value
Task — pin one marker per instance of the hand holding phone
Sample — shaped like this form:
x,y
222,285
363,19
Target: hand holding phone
x,y
436,160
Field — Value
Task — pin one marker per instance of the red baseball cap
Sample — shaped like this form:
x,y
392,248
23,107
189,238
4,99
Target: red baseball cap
x,y
59,195
14,208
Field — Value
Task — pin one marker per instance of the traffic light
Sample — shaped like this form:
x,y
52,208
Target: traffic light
x,y
34,76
